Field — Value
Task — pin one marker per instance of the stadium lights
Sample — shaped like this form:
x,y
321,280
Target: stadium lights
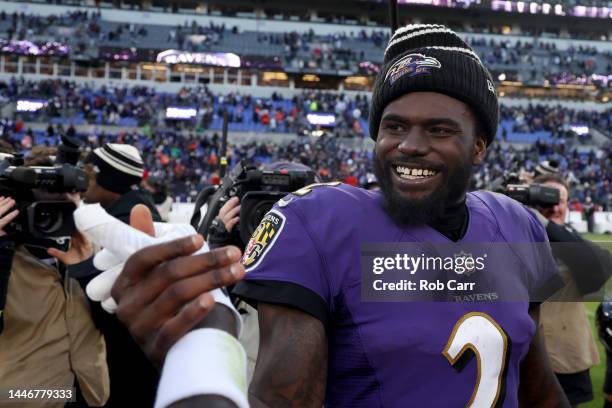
x,y
191,70
310,78
151,67
527,7
511,83
577,86
357,80
580,130
321,119
29,105
443,3
274,76
181,112
317,133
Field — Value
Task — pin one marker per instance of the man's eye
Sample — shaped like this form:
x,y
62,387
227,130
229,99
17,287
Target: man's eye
x,y
393,127
441,131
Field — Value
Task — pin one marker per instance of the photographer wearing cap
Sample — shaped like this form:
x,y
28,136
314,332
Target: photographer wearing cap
x,y
115,172
49,340
585,268
157,190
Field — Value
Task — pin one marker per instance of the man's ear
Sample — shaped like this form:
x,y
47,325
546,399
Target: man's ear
x,y
480,150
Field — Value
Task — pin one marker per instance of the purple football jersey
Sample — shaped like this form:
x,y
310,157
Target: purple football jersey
x,y
306,254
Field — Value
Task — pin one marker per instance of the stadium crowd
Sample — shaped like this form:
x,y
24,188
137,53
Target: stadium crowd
x,y
110,104
142,106
344,50
555,119
188,162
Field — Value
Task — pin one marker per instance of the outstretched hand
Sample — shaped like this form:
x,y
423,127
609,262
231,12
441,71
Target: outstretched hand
x,y
163,291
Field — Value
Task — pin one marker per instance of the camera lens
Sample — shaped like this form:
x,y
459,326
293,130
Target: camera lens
x,y
51,219
48,222
257,215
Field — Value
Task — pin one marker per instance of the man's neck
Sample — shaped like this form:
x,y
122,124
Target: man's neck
x,y
109,201
453,223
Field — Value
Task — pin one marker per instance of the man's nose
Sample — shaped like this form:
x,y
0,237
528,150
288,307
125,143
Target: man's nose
x,y
414,143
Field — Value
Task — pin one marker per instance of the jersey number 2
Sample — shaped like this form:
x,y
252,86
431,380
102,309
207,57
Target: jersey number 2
x,y
482,335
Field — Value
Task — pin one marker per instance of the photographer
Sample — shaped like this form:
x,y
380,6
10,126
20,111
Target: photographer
x,y
224,227
115,172
49,340
603,320
157,191
585,267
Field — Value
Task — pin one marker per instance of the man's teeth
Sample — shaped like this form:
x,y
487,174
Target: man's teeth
x,y
413,173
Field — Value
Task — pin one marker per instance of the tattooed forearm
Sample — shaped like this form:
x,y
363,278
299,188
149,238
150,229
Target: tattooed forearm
x,y
291,368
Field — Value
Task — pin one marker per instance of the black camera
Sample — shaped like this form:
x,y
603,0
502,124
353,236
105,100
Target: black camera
x,y
533,195
28,185
258,191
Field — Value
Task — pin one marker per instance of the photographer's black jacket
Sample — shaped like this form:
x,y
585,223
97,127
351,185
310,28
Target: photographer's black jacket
x,y
7,250
589,265
133,379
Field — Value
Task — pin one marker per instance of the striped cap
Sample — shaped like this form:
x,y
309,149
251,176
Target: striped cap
x,y
547,167
433,58
119,166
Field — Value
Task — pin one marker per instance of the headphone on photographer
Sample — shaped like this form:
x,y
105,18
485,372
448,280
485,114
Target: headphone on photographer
x,y
199,221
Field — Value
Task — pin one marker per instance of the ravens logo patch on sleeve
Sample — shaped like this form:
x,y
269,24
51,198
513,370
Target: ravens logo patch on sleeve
x,y
263,238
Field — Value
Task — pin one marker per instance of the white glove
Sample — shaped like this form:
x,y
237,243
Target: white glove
x,y
119,241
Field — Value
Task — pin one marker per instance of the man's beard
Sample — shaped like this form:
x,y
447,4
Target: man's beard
x,y
428,209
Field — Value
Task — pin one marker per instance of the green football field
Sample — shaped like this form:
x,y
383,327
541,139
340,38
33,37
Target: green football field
x,y
597,372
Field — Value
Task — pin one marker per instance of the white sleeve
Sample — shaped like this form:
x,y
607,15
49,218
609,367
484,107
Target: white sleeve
x,y
204,362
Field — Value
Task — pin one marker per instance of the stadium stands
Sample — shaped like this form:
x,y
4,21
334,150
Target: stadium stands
x,y
88,33
68,103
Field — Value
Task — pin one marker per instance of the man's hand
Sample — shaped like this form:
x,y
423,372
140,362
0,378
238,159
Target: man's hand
x,y
80,250
6,203
230,213
162,292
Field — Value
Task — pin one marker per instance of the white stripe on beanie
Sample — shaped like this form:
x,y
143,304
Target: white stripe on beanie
x,y
424,31
455,49
413,27
114,159
129,152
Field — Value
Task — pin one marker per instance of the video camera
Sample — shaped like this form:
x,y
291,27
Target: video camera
x,y
37,218
257,190
532,195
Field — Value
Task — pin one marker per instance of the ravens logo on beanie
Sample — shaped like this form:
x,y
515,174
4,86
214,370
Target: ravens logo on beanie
x,y
432,58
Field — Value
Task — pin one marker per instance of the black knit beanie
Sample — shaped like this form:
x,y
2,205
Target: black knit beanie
x,y
432,58
119,167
